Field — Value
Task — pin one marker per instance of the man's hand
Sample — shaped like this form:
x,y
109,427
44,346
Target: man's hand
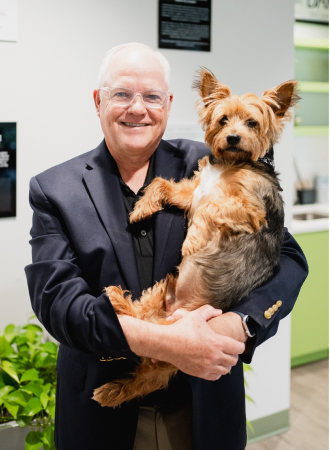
x,y
228,324
205,355
189,343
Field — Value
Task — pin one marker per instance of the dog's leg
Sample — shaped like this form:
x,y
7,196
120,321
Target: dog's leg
x,y
147,378
161,192
120,303
201,229
150,307
240,215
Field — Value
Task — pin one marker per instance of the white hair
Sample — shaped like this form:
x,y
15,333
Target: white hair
x,y
106,63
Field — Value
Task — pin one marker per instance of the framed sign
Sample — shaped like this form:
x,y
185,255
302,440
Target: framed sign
x,y
7,169
184,24
316,11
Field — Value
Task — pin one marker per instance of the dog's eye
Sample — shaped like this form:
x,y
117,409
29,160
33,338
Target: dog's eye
x,y
223,121
251,123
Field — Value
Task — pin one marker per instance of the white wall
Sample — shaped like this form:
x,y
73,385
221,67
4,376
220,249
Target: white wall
x,y
46,84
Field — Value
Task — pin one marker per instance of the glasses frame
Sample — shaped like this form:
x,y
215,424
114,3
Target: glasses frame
x,y
107,89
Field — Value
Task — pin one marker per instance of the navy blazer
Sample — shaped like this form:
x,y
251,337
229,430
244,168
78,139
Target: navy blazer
x,y
81,244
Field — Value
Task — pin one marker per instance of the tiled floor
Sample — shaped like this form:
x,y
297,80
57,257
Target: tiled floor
x,y
309,416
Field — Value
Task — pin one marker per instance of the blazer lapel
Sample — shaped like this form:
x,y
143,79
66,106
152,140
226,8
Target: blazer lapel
x,y
169,165
102,182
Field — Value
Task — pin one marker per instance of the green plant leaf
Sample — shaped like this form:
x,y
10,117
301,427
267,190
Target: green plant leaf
x,y
20,340
2,383
247,368
5,348
33,388
29,375
43,360
44,400
6,380
33,440
48,437
9,368
4,391
10,332
32,407
46,388
249,399
23,420
12,407
33,327
49,347
51,408
23,349
18,396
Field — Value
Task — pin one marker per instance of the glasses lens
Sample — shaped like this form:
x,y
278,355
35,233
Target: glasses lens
x,y
122,96
154,98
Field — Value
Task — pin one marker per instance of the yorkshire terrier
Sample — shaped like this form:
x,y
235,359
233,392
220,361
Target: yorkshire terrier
x,y
235,220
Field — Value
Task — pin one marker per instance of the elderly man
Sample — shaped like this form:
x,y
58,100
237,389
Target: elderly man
x,y
82,242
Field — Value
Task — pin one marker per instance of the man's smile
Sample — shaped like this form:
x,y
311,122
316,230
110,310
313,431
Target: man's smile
x,y
129,124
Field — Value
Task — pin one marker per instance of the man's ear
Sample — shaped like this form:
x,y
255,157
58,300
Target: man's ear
x,y
169,104
97,101
281,98
209,87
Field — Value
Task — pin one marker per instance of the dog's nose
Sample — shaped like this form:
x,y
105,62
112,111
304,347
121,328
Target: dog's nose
x,y
233,139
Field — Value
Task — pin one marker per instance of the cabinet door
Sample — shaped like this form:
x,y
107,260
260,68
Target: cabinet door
x,y
310,316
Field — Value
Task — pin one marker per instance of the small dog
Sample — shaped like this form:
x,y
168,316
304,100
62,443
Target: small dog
x,y
235,220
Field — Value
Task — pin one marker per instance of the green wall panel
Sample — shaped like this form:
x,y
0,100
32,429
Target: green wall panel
x,y
310,316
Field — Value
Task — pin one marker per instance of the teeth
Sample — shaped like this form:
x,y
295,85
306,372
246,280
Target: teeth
x,y
135,124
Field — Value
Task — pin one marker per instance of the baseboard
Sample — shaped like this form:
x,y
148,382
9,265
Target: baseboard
x,y
268,426
309,357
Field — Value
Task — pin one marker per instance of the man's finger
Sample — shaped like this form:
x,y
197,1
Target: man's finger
x,y
208,312
231,346
229,360
178,314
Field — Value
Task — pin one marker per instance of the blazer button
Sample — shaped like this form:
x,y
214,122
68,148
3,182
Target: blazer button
x,y
279,303
267,314
275,307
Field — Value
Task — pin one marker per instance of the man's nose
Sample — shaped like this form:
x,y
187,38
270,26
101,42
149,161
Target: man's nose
x,y
137,106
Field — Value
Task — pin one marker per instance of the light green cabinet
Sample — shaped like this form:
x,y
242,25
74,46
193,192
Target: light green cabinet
x,y
310,316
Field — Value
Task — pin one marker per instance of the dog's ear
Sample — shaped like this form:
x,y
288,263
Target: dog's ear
x,y
281,98
209,87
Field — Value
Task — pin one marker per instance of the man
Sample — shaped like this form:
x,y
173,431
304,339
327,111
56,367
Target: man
x,y
82,242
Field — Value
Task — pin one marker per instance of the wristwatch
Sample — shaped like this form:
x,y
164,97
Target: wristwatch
x,y
247,323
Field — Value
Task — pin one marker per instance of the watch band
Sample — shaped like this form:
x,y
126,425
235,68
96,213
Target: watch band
x,y
245,319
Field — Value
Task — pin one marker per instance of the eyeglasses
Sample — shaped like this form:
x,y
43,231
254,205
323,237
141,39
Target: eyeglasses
x,y
152,98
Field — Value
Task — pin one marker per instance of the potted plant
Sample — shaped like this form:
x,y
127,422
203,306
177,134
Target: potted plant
x,y
27,387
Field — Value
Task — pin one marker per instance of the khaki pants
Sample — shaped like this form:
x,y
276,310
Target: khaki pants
x,y
164,431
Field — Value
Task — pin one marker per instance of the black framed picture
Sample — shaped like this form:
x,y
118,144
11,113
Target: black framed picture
x,y
313,11
184,24
7,169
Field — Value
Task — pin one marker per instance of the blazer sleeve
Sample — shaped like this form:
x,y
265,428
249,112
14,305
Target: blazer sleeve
x,y
60,297
284,285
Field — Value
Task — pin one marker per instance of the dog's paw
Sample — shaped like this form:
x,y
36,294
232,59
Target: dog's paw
x,y
114,292
142,211
138,214
109,395
120,303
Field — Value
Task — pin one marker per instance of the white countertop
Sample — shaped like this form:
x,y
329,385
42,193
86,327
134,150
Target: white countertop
x,y
309,226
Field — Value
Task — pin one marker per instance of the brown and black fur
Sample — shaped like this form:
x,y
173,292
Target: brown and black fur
x,y
235,231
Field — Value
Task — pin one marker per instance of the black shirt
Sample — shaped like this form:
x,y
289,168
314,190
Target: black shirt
x,y
142,231
178,392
